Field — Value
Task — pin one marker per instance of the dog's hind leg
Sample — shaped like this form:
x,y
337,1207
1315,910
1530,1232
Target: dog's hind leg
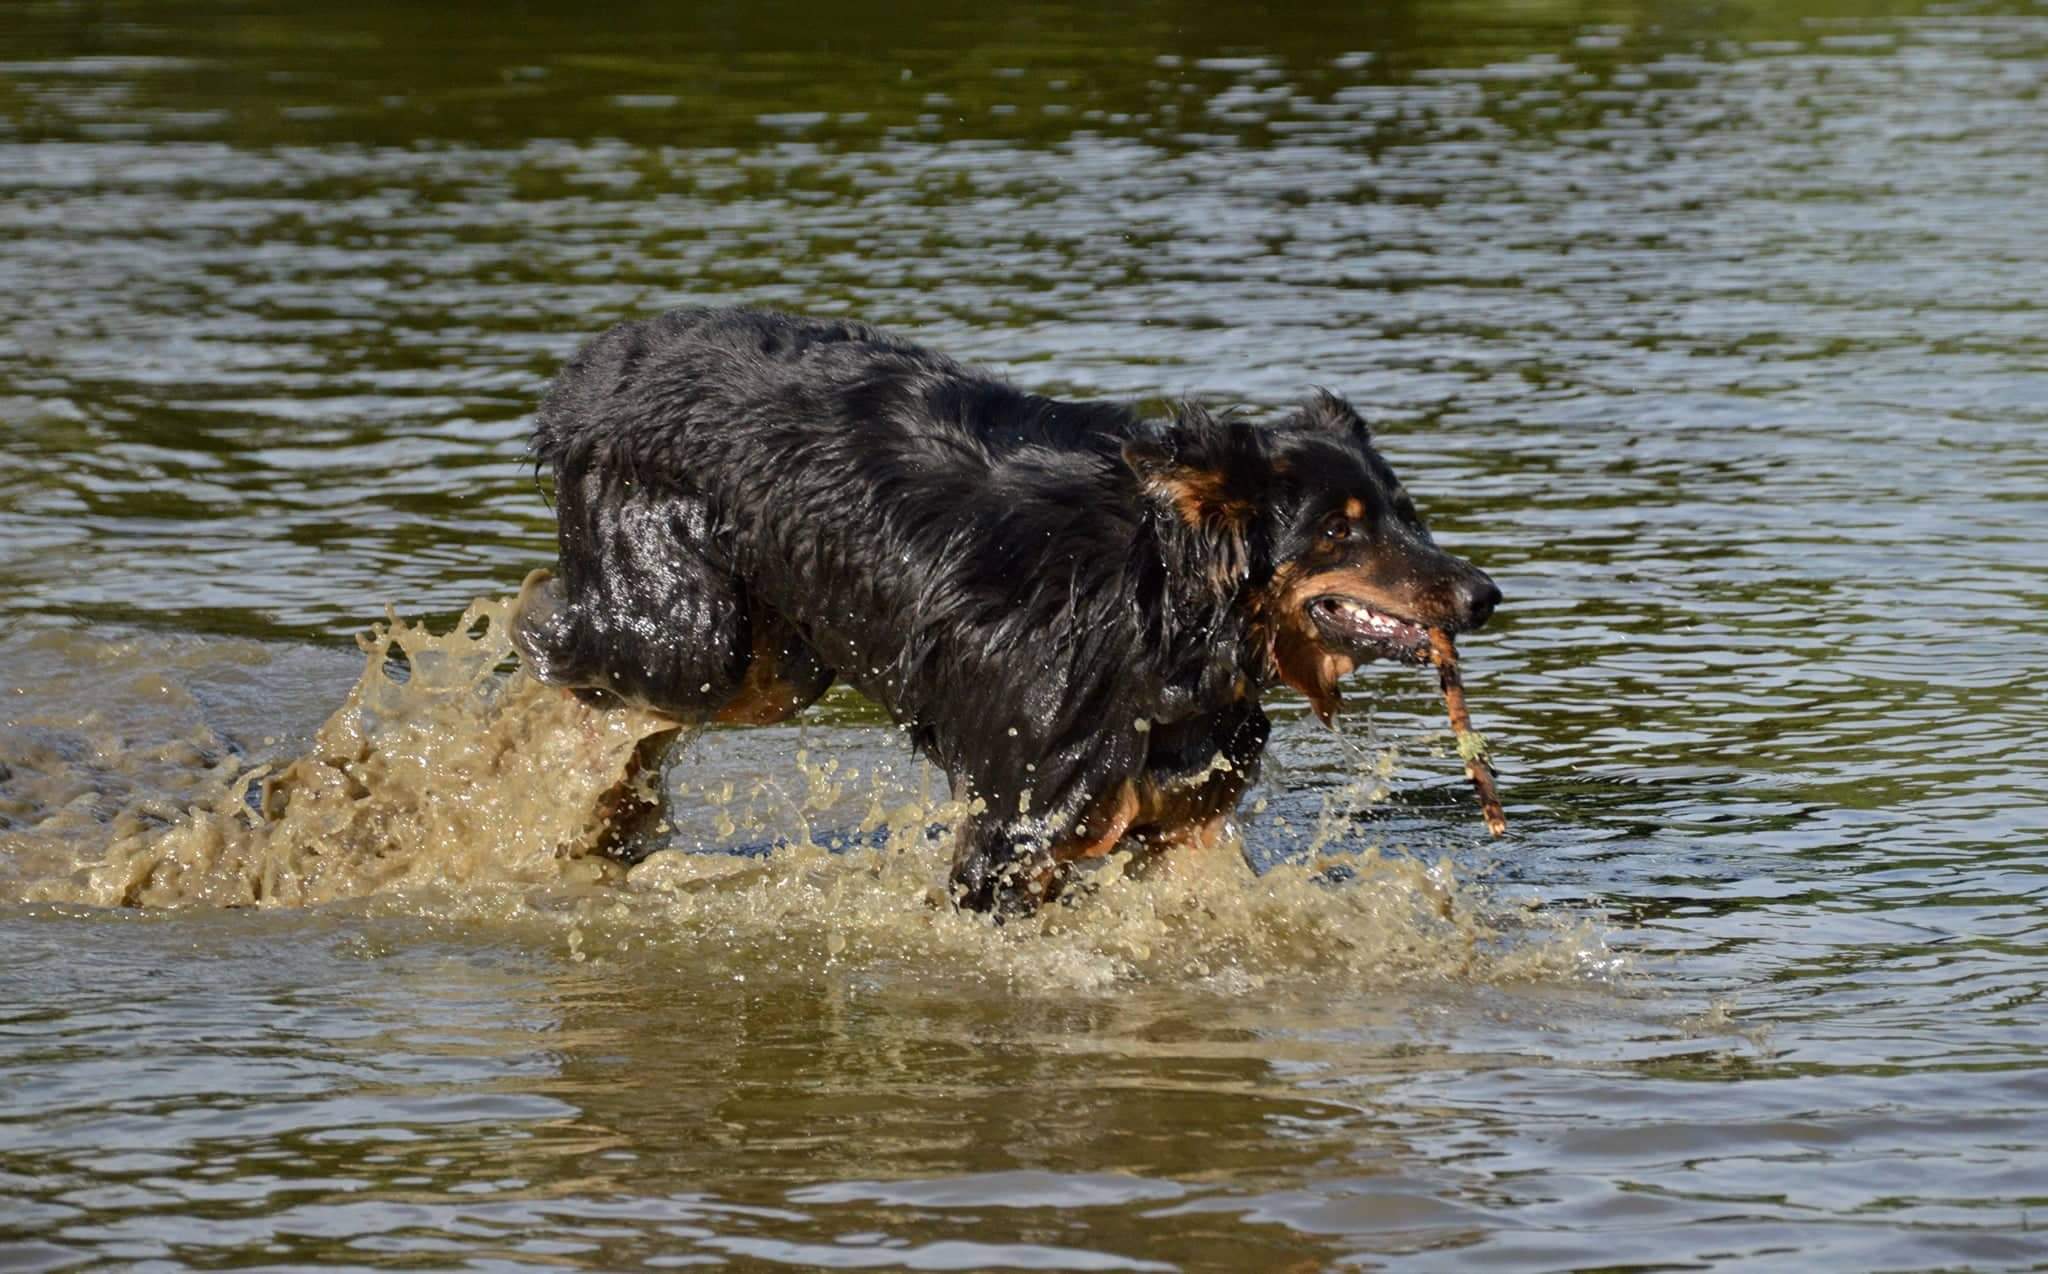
x,y
639,610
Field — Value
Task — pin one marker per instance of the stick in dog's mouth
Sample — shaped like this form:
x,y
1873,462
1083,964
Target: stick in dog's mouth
x,y
1470,746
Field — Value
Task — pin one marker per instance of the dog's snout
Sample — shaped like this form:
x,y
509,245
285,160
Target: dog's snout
x,y
1477,595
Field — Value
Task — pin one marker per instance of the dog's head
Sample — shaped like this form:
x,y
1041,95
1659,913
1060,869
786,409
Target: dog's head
x,y
1303,524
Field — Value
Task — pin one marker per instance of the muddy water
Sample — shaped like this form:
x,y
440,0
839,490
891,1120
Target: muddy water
x,y
1715,335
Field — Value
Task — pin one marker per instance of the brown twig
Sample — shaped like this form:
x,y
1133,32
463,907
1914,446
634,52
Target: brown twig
x,y
1470,746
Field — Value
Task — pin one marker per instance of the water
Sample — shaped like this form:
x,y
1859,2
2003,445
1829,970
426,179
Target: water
x,y
1714,335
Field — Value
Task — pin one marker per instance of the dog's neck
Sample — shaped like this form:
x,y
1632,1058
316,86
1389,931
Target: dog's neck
x,y
1215,657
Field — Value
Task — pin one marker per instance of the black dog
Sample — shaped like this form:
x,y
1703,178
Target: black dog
x,y
1071,609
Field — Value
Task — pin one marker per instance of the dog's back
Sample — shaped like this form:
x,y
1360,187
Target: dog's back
x,y
821,367
682,348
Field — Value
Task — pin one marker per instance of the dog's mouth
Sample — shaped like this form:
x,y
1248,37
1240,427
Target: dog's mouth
x,y
1366,632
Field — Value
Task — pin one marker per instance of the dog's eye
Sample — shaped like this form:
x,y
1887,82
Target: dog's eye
x,y
1336,527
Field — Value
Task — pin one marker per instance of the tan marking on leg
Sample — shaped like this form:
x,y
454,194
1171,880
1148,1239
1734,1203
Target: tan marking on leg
x,y
1096,834
1158,848
1206,834
764,697
1102,827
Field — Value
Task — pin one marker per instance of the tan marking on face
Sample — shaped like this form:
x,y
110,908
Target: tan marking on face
x,y
1301,661
1294,644
1294,588
1354,508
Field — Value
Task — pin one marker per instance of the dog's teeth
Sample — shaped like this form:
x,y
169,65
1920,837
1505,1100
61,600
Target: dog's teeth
x,y
1366,617
1377,623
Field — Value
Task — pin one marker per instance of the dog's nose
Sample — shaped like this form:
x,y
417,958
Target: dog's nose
x,y
1477,596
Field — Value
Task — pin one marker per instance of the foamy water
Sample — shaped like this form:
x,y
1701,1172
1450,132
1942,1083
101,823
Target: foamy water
x,y
447,783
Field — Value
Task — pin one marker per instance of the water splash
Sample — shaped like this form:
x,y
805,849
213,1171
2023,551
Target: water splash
x,y
434,771
450,784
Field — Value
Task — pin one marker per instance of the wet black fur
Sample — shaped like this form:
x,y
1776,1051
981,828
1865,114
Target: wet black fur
x,y
1007,574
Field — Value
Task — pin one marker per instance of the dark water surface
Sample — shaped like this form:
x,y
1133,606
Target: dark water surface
x,y
1715,333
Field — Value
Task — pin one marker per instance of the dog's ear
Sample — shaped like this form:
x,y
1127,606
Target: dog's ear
x,y
1198,465
1325,410
1154,453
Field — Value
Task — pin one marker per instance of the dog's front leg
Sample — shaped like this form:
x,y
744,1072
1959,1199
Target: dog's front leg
x,y
1013,866
1000,865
